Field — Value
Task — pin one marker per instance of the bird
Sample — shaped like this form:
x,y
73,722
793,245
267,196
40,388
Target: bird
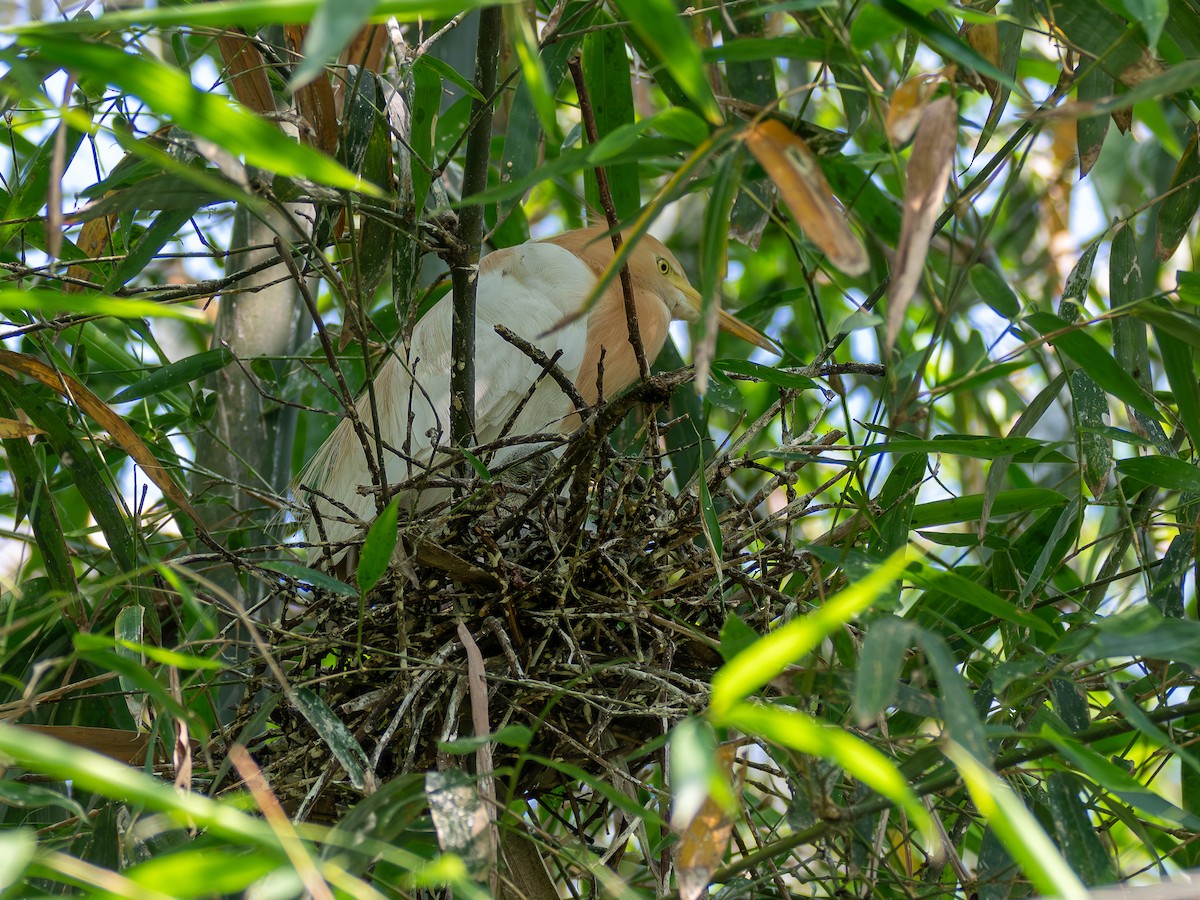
x,y
538,290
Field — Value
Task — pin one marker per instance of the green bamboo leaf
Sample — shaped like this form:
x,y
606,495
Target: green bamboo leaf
x,y
247,13
1090,131
176,374
1086,351
17,850
657,22
1074,830
995,291
541,91
1162,471
1089,407
90,771
169,92
87,468
1111,777
334,734
203,872
711,523
35,501
970,507
29,194
1017,828
877,677
1178,208
606,73
161,655
1176,79
802,733
787,380
714,263
948,44
378,547
304,574
971,592
333,24
1178,360
972,446
769,656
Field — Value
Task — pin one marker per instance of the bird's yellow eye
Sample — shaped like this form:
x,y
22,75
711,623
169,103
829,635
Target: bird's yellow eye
x,y
664,267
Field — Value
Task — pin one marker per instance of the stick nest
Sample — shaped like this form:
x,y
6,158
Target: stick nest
x,y
588,584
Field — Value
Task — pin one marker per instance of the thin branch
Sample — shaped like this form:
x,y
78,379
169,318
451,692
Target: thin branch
x,y
610,213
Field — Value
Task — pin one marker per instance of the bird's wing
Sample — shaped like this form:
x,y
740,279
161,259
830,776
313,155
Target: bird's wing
x,y
537,291
530,289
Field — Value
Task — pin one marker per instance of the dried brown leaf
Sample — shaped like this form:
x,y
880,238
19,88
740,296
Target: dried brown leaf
x,y
906,106
315,101
246,72
703,843
928,176
797,174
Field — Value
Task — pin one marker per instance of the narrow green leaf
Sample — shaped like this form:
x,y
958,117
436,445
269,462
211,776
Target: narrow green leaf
x,y
1076,835
657,22
333,25
973,593
1086,351
770,655
606,73
790,728
29,194
1111,777
972,446
93,772
878,675
173,375
1162,471
1090,131
1178,209
541,92
949,45
1017,828
970,507
714,262
34,500
1152,16
247,13
378,547
995,291
17,849
334,734
787,380
170,93
160,655
87,468
311,576
1089,407
202,872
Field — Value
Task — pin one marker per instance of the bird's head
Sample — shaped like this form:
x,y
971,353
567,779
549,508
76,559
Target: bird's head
x,y
656,267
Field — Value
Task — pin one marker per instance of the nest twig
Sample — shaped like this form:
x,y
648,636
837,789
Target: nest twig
x,y
597,611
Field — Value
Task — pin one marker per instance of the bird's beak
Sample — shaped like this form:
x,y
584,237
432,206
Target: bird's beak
x,y
726,322
730,325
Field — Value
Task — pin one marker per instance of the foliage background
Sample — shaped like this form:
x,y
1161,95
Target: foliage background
x,y
1030,444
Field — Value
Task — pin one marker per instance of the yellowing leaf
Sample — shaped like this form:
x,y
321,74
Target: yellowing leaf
x,y
703,842
13,428
907,104
795,171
